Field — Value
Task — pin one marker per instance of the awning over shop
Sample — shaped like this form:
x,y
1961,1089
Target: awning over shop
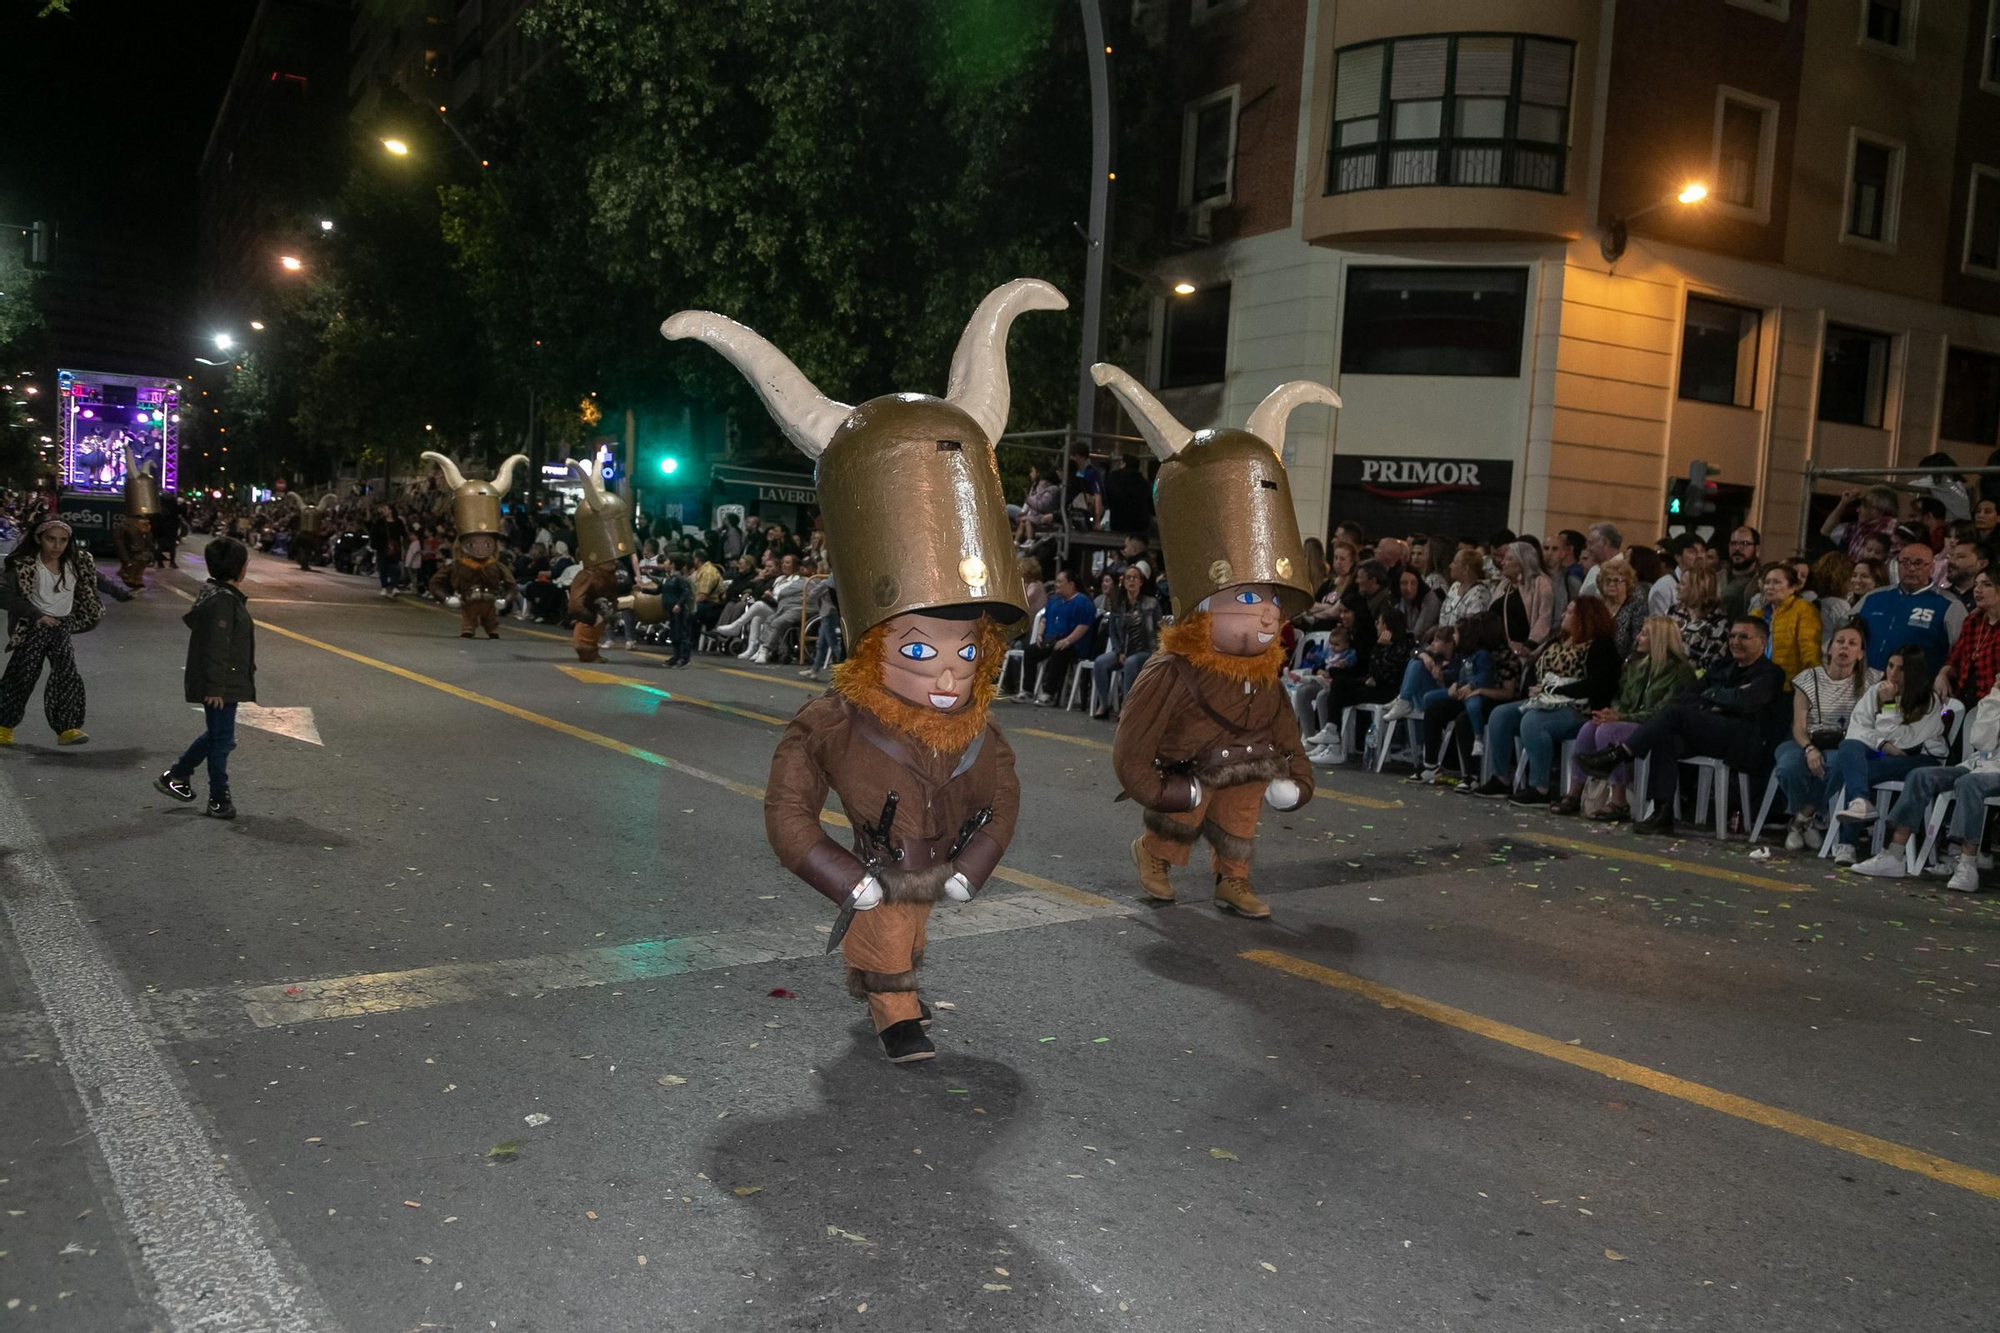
x,y
746,485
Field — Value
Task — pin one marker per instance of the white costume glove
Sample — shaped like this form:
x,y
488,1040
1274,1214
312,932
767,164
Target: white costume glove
x,y
958,888
452,601
1282,794
867,894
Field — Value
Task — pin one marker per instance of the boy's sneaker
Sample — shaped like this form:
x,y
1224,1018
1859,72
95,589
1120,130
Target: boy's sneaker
x,y
1398,710
219,807
170,785
1886,864
1965,879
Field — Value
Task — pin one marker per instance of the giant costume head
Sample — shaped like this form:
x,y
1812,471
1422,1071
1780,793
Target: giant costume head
x,y
475,504
142,488
916,522
603,520
1225,507
311,515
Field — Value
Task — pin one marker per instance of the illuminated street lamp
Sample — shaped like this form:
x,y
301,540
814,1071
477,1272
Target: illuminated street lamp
x,y
1611,244
326,224
224,341
290,263
1184,288
397,147
257,324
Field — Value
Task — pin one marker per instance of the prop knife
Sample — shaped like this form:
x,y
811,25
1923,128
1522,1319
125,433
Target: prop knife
x,y
873,839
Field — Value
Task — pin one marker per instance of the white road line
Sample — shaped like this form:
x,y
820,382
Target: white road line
x,y
206,1013
210,1256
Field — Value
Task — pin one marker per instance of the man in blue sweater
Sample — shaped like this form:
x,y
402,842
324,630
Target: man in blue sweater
x,y
1912,612
1067,623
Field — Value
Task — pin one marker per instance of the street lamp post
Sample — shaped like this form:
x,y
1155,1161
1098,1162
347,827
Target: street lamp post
x,y
1103,173
1611,244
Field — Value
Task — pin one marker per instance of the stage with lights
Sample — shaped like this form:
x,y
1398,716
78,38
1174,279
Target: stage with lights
x,y
103,415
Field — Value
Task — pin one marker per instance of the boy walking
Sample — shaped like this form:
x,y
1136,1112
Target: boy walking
x,y
221,673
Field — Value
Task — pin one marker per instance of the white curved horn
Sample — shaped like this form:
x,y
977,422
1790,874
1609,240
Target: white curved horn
x,y
131,461
452,476
978,384
324,501
503,480
1267,419
593,485
298,501
807,416
1166,435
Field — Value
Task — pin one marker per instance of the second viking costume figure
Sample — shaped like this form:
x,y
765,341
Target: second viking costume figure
x,y
133,537
307,536
604,542
476,574
1207,732
917,534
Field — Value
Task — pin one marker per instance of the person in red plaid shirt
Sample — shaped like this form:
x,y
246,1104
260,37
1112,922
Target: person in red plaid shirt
x,y
1974,662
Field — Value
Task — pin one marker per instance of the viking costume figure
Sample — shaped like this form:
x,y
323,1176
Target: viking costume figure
x,y
607,548
475,574
1207,731
917,534
133,537
49,591
307,537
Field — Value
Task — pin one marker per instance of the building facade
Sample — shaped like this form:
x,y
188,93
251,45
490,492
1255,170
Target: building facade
x,y
1464,216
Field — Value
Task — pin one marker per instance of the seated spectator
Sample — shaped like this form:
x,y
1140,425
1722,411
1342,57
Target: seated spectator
x,y
785,590
1618,584
1823,700
1974,663
1376,682
1898,725
1738,717
1862,514
1418,601
1488,675
1134,633
1657,673
1067,622
1430,668
1792,623
1704,629
1037,514
1033,589
1469,594
1826,588
1912,613
1576,673
1969,783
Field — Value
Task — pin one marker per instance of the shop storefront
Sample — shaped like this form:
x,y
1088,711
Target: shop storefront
x,y
1437,496
790,498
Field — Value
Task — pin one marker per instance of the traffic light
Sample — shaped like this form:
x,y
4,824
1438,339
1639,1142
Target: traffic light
x,y
1693,499
669,465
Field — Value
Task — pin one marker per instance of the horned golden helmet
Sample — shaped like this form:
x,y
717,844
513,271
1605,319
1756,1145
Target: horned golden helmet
x,y
1223,499
909,490
310,514
603,519
475,504
142,488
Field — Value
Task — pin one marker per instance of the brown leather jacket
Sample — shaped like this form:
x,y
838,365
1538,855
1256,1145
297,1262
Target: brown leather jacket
x,y
1180,721
832,744
472,580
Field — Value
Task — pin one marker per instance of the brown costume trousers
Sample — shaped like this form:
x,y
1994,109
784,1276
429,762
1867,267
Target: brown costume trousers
x,y
883,947
1226,817
585,639
478,614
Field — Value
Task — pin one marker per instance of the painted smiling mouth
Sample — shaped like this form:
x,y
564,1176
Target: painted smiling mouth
x,y
1265,638
944,701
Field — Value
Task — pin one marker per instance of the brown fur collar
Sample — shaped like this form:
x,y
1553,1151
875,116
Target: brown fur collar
x,y
1189,637
859,681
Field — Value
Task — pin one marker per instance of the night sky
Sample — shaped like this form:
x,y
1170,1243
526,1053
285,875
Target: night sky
x,y
105,112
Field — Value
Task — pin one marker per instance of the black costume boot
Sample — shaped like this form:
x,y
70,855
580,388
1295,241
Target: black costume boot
x,y
905,1042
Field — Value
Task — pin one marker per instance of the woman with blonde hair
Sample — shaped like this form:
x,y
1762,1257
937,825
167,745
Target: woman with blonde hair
x,y
1831,574
1342,559
1029,569
1657,673
1469,595
1623,600
1703,624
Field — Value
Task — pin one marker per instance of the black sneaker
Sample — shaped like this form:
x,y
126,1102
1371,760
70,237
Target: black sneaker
x,y
219,807
905,1042
1600,763
1659,824
1530,796
1494,788
170,785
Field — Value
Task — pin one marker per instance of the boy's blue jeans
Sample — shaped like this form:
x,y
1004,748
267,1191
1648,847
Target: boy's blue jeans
x,y
214,746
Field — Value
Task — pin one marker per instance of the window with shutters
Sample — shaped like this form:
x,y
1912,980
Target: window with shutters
x,y
1458,109
1744,149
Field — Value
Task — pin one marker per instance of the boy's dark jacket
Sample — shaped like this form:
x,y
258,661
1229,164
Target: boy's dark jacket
x,y
222,650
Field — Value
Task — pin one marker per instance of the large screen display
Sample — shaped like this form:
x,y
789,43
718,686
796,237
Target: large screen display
x,y
103,416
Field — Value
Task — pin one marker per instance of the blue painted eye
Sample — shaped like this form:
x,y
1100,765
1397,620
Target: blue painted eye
x,y
918,652
970,652
1248,598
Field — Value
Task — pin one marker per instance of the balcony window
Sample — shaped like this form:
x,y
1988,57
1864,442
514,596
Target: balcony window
x,y
1451,110
1971,397
1853,376
1719,352
1433,321
1196,347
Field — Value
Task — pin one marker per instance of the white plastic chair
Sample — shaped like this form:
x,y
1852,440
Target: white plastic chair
x,y
1018,654
1712,783
1919,854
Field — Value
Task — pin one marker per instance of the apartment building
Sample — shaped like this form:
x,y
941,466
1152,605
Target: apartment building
x,y
467,56
1465,216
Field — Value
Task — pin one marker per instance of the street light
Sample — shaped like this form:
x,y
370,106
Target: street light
x,y
1183,288
1611,243
257,324
224,341
396,146
326,224
290,263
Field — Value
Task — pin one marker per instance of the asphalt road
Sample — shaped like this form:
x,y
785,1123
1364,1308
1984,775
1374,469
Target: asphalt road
x,y
1483,1069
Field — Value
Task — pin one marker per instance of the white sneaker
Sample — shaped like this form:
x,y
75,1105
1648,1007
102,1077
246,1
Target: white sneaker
x,y
1889,864
1795,833
1985,861
762,657
1398,710
1858,811
1843,854
1965,879
749,651
1478,749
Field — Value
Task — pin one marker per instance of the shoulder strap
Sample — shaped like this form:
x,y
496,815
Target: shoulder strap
x,y
1191,679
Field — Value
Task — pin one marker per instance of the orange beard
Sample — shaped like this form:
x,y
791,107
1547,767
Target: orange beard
x,y
1189,636
859,681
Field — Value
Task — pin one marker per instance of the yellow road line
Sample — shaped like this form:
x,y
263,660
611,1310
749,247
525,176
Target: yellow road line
x,y
1020,877
810,687
1345,798
591,677
1818,1131
1639,857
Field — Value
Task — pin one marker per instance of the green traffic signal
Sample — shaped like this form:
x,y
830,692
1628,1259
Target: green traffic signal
x,y
670,465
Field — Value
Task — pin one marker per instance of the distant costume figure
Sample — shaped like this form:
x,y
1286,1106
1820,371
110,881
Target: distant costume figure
x,y
475,575
1207,732
917,534
133,537
607,548
308,536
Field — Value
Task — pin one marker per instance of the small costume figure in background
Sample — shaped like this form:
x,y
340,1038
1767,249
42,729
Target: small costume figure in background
x,y
916,529
133,537
475,575
1207,731
607,548
307,535
49,591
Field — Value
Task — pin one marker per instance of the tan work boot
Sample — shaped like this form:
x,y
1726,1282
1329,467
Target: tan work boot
x,y
1233,893
1152,872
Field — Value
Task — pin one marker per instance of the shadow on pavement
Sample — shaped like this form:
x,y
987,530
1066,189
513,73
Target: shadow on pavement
x,y
86,756
879,1196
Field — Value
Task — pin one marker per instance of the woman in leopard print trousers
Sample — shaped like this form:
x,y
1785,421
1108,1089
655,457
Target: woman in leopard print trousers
x,y
49,591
